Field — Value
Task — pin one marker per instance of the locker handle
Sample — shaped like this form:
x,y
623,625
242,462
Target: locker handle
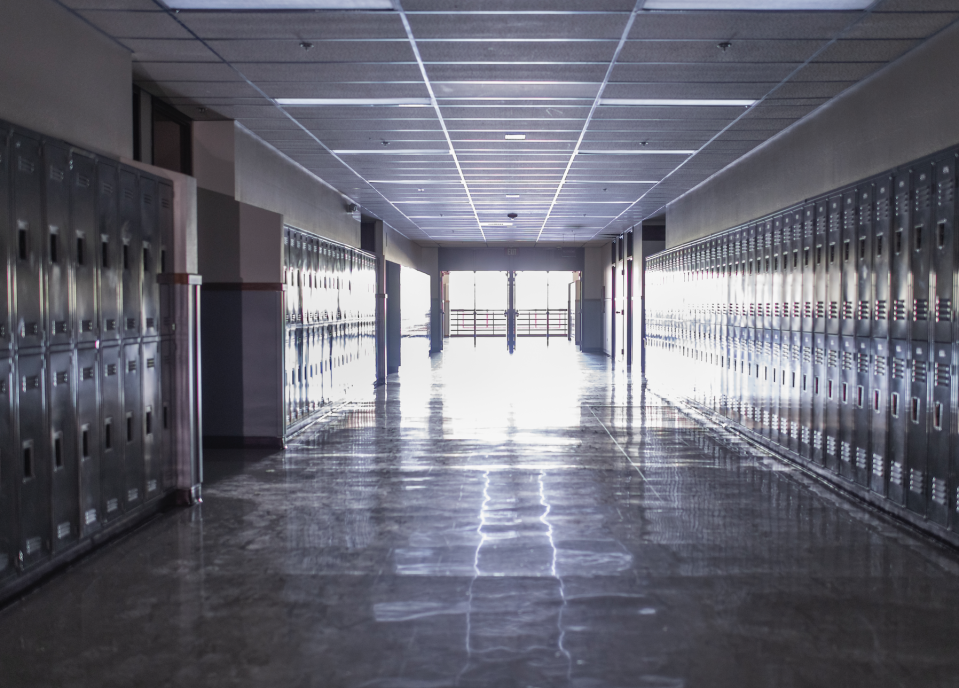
x,y
937,416
894,402
918,234
941,234
27,459
914,411
22,243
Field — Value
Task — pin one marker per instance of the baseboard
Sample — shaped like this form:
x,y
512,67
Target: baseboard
x,y
241,442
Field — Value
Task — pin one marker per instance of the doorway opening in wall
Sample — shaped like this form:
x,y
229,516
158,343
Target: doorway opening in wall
x,y
511,304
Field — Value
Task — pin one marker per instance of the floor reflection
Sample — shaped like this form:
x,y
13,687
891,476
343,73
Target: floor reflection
x,y
491,520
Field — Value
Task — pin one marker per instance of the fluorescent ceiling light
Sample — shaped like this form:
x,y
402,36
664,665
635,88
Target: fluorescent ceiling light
x,y
774,5
677,102
399,151
497,224
361,102
512,195
279,4
516,137
636,152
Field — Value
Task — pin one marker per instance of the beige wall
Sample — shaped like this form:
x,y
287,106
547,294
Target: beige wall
x,y
62,78
903,112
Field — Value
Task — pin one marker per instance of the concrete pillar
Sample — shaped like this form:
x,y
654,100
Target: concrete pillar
x,y
379,246
592,328
394,318
431,259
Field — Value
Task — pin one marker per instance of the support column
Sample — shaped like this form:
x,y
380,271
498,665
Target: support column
x,y
379,244
438,316
394,318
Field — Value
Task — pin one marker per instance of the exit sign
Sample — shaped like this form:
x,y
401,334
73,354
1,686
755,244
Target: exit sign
x,y
511,251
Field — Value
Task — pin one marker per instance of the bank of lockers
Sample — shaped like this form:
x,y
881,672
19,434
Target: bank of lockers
x,y
81,378
828,329
329,335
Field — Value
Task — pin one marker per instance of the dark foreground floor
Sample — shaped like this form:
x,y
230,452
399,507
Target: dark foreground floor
x,y
501,521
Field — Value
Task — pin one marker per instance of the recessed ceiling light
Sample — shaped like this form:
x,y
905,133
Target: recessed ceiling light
x,y
516,137
381,151
279,4
512,195
497,224
773,5
355,102
677,102
636,152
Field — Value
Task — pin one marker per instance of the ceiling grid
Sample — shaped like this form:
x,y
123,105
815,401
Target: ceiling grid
x,y
608,95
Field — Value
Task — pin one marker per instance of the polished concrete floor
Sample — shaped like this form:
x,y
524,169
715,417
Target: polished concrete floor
x,y
486,520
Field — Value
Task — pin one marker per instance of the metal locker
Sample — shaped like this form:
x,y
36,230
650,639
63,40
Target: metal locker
x,y
845,403
805,383
941,432
736,289
752,276
763,277
7,244
848,259
106,251
764,373
882,257
150,419
819,260
751,379
879,417
130,262
807,263
165,229
922,240
83,204
899,394
112,480
148,257
35,466
130,430
63,457
27,240
777,363
823,445
57,242
791,390
779,294
944,248
918,427
900,271
9,473
863,249
88,439
165,414
833,264
859,432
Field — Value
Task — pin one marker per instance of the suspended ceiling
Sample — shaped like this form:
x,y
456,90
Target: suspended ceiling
x,y
438,168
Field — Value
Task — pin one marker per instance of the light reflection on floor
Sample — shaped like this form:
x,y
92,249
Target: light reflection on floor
x,y
488,519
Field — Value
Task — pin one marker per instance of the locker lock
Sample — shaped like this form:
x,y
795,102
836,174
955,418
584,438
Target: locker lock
x,y
19,562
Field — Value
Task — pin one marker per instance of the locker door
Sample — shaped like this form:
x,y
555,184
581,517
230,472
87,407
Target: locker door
x,y
900,277
753,259
167,386
148,255
792,237
823,444
88,439
112,478
765,382
150,417
941,433
921,250
793,389
944,248
918,428
848,256
9,473
27,244
763,276
57,244
83,202
864,250
63,457
846,405
858,433
778,274
6,245
131,427
820,262
879,425
807,262
834,265
107,251
130,262
806,381
899,388
883,246
776,391
165,264
33,450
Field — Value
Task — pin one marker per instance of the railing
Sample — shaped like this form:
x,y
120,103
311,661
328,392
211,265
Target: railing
x,y
534,322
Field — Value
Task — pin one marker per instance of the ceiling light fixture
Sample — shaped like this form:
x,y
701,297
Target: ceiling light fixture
x,y
767,5
497,224
354,102
512,195
279,4
409,151
636,152
516,137
675,102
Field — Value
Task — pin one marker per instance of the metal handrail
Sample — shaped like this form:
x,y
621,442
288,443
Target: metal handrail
x,y
530,322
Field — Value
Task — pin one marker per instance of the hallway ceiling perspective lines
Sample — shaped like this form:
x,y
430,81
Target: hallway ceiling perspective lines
x,y
442,118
